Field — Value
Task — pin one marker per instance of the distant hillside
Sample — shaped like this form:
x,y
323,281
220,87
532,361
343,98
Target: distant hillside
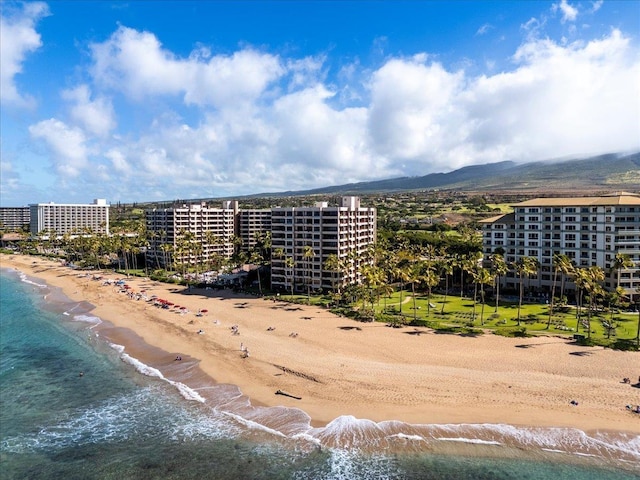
x,y
604,172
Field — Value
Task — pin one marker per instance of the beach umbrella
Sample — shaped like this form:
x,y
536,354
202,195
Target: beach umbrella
x,y
204,310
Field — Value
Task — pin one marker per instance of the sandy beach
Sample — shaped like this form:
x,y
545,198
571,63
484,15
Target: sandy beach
x,y
338,366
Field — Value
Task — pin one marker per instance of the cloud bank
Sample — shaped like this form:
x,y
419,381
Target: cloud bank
x,y
253,121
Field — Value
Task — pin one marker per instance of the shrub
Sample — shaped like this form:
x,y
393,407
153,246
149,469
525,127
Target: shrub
x,y
511,332
627,345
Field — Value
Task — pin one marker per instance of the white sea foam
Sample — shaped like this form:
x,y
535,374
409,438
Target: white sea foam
x,y
25,279
116,347
187,392
469,440
405,436
88,319
553,450
253,425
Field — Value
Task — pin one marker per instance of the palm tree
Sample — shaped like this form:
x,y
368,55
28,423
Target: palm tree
x,y
580,280
414,275
524,266
256,258
334,265
446,267
556,270
567,268
401,271
307,255
622,261
595,275
499,268
431,279
482,277
290,264
613,299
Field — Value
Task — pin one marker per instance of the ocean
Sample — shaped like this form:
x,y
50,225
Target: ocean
x,y
76,404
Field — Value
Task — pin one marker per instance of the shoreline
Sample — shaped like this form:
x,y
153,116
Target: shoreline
x,y
340,367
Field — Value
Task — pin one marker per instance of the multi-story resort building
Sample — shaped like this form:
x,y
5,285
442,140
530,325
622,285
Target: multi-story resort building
x,y
251,224
306,236
190,234
14,218
591,231
68,218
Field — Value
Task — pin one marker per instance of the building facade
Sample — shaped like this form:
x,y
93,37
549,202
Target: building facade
x,y
69,218
591,231
251,224
307,236
14,218
190,234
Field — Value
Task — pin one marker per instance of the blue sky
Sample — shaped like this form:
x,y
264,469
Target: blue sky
x,y
144,100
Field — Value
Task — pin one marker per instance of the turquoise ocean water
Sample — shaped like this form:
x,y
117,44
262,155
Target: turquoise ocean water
x,y
124,419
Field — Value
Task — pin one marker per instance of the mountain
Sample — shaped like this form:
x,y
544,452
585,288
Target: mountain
x,y
604,172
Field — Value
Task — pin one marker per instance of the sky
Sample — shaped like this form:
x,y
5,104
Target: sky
x,y
137,101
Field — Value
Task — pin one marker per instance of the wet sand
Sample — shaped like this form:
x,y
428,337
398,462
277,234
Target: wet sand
x,y
338,366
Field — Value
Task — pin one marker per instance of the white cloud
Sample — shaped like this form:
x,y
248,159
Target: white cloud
x,y
65,144
411,116
560,101
119,162
484,29
18,38
136,63
595,6
96,116
569,12
413,106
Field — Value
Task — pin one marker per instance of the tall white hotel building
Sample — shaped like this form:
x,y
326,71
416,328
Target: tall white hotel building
x,y
346,231
589,230
71,218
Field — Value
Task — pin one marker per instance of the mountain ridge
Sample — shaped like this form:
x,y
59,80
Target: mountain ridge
x,y
602,172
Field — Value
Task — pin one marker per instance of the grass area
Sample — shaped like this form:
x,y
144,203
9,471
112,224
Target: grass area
x,y
459,317
503,207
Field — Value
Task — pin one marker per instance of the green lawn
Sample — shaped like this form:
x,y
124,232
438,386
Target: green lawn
x,y
459,315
